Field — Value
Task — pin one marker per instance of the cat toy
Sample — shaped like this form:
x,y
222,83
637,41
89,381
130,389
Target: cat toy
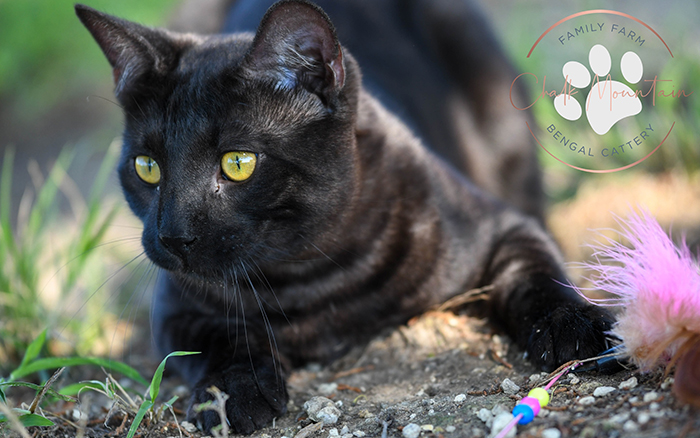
x,y
528,408
657,286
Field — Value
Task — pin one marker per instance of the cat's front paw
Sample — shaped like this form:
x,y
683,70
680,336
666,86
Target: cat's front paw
x,y
571,331
255,398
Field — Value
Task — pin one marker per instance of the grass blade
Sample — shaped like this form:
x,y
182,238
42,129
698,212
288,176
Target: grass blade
x,y
145,406
154,388
34,349
58,362
35,387
29,420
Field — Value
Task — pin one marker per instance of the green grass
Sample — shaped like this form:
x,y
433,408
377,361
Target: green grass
x,y
140,407
46,54
49,268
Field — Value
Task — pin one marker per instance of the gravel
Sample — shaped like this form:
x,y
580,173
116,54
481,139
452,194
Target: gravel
x,y
500,422
509,387
602,391
551,433
486,416
629,383
321,409
585,401
411,430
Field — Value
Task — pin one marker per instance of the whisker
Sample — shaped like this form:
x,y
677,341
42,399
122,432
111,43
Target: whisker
x,y
268,327
322,253
139,289
100,288
259,273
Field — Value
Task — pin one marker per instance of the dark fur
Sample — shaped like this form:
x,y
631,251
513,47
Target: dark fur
x,y
348,225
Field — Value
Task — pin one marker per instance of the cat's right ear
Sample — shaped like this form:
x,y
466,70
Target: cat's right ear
x,y
137,54
296,45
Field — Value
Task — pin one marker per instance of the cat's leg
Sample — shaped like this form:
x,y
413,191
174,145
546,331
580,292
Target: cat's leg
x,y
236,357
532,301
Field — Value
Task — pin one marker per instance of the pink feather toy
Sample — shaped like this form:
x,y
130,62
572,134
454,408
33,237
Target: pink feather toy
x,y
657,285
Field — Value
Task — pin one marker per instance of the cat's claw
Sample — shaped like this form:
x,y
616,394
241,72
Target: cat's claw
x,y
255,398
571,331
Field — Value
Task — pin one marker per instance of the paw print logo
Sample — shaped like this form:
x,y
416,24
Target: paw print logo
x,y
608,101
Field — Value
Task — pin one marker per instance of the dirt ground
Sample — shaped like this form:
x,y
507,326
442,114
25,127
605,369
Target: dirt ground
x,y
443,373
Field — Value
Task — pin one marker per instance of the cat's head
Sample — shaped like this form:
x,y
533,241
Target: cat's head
x,y
238,149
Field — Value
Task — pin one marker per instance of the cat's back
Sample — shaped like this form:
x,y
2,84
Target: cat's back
x,y
437,66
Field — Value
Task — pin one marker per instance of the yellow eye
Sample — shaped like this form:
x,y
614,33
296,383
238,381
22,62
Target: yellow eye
x,y
238,165
147,169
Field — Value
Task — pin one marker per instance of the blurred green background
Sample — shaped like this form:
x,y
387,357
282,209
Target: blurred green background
x,y
56,93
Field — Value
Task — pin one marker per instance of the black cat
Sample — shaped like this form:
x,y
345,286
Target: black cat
x,y
294,216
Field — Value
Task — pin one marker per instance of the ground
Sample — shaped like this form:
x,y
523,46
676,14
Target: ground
x,y
443,372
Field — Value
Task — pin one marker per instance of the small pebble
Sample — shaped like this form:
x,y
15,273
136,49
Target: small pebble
x,y
411,430
450,429
654,406
658,414
427,427
650,396
78,415
358,433
345,430
643,418
321,409
668,382
327,388
620,418
309,430
502,421
533,379
602,391
460,398
509,387
630,426
485,415
585,401
333,433
500,409
551,433
574,380
366,414
189,427
629,383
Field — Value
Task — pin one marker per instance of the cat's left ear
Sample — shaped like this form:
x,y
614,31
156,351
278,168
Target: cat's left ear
x,y
139,55
296,45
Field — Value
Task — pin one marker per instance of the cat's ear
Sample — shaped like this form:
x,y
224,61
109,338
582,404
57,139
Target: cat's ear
x,y
136,53
296,44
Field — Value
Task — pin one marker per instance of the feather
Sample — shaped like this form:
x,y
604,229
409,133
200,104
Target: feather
x,y
657,285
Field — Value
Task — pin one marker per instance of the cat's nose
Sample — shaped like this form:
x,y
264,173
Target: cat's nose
x,y
178,245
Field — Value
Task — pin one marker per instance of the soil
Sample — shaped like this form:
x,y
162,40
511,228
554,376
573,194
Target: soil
x,y
442,372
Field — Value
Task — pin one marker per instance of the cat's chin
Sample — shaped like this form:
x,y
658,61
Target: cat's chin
x,y
193,277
